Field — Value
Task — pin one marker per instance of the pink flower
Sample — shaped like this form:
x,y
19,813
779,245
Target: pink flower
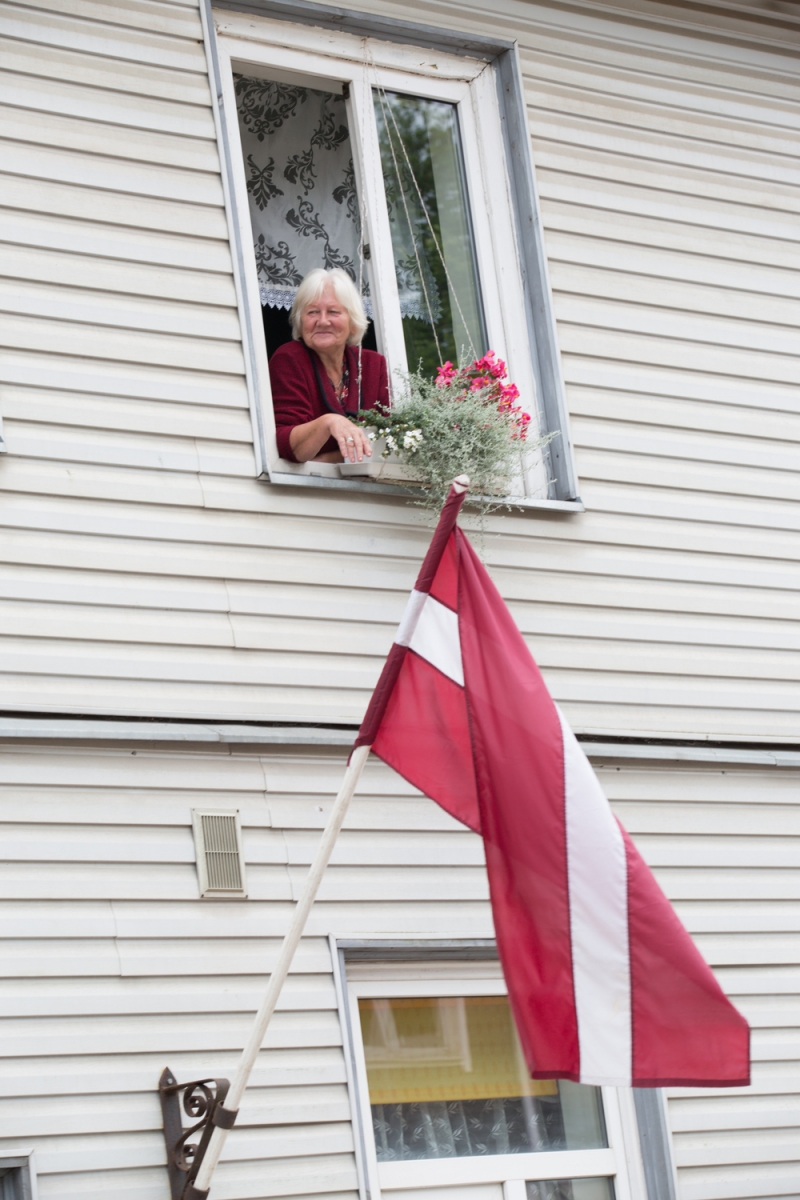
x,y
521,422
508,394
490,365
486,375
446,374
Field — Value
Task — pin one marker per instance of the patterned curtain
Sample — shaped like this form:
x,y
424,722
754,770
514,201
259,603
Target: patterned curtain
x,y
303,201
466,1128
300,183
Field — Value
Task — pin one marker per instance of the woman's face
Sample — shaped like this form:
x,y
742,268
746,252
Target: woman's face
x,y
325,324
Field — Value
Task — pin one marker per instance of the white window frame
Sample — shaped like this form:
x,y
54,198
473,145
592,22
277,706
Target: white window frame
x,y
21,1166
621,1160
331,59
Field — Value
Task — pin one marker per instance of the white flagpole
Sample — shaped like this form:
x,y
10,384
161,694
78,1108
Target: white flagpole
x,y
225,1115
281,970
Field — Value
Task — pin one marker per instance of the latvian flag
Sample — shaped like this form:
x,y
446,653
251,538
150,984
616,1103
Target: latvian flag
x,y
605,984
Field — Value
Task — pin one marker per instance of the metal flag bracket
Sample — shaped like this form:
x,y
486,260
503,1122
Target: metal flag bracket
x,y
203,1100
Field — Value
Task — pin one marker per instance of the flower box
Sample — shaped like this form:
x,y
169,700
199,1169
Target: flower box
x,y
464,422
389,469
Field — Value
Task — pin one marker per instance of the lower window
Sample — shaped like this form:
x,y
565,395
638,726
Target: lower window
x,y
447,1105
570,1189
447,1079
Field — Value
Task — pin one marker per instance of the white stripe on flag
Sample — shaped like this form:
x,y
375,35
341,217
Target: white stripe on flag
x,y
598,901
435,638
408,622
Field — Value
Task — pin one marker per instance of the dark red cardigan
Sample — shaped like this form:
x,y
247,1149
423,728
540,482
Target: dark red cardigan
x,y
300,393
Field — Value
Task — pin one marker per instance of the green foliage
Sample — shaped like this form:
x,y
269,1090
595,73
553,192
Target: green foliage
x,y
443,431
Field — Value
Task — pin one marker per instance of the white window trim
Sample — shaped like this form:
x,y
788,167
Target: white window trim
x,y
234,40
621,1160
23,1161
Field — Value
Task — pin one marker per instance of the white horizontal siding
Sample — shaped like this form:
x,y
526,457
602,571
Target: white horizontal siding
x,y
150,574
145,571
112,966
723,846
116,292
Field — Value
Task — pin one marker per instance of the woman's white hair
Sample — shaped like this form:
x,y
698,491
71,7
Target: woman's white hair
x,y
344,290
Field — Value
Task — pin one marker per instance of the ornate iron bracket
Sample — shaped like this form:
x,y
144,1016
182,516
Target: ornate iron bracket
x,y
203,1099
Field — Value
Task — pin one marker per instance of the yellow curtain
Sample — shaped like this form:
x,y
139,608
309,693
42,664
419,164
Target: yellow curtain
x,y
444,1048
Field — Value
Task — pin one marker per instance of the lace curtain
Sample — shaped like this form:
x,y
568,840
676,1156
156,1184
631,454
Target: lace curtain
x,y
300,182
469,1128
463,1128
301,189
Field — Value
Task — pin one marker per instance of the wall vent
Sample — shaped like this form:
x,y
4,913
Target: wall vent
x,y
218,848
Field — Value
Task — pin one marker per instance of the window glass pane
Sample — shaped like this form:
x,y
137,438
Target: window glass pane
x,y
571,1189
447,1079
301,190
431,234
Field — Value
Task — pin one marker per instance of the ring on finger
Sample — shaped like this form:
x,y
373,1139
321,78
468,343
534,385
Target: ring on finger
x,y
351,440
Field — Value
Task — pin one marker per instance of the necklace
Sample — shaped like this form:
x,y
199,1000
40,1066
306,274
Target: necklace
x,y
343,386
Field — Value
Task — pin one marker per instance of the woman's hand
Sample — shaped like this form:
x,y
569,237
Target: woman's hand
x,y
307,440
352,439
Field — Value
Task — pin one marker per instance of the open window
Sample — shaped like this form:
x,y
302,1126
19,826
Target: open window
x,y
444,1100
395,162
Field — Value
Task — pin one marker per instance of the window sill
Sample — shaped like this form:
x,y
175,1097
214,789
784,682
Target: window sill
x,y
546,1164
327,475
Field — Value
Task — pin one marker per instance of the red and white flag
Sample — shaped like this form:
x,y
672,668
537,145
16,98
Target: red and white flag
x,y
605,984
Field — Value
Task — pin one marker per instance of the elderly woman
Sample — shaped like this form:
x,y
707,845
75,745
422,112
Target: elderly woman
x,y
323,378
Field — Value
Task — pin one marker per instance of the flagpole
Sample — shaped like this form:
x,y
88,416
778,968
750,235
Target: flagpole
x,y
225,1114
199,1189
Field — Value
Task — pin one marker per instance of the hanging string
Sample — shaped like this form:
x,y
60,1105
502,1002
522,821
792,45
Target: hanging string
x,y
362,223
453,291
410,224
361,220
385,104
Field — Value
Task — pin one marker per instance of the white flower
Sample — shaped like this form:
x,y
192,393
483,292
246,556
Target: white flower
x,y
391,444
412,439
371,434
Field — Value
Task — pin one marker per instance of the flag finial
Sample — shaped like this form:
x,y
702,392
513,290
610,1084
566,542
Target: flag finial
x,y
461,484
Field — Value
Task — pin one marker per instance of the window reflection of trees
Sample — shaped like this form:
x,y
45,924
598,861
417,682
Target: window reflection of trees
x,y
420,155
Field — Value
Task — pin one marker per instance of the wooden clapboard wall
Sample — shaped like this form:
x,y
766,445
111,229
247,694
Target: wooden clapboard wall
x,y
146,572
112,967
724,846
